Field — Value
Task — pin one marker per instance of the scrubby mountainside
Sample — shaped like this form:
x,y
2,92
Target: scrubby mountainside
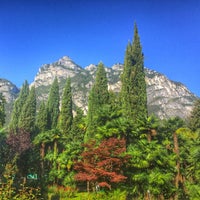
x,y
166,98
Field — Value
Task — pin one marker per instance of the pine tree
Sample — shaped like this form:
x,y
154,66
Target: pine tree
x,y
53,105
133,91
66,115
2,110
98,97
28,114
20,101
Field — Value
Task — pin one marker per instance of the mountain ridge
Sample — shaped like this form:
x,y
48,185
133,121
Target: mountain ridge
x,y
166,98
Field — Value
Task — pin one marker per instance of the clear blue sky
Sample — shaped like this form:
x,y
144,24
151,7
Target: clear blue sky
x,y
35,32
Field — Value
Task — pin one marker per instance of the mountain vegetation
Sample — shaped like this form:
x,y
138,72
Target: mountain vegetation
x,y
52,149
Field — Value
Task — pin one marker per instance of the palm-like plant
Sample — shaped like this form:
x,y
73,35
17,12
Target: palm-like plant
x,y
151,169
149,126
192,169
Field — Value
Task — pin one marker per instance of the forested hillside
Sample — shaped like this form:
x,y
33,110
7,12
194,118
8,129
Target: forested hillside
x,y
118,150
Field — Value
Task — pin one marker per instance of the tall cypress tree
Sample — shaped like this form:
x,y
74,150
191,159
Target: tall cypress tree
x,y
194,119
53,105
78,126
98,97
133,91
100,87
18,105
66,115
28,114
2,110
42,118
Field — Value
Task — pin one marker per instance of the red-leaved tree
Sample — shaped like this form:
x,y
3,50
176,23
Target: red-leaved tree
x,y
101,165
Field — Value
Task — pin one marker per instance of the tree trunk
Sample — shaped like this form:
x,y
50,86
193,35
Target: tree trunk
x,y
42,154
88,186
55,151
176,151
149,136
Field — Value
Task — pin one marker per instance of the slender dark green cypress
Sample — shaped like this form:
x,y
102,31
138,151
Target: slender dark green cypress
x,y
78,127
2,110
101,86
53,105
66,115
42,118
98,97
194,119
28,115
18,105
133,91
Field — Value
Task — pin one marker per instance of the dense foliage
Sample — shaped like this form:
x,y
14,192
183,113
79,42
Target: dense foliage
x,y
114,152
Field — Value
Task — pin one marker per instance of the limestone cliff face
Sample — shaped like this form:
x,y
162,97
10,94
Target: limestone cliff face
x,y
10,92
166,98
8,89
64,68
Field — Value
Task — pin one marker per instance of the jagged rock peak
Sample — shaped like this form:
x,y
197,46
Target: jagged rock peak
x,y
65,58
67,62
62,68
118,67
91,67
64,62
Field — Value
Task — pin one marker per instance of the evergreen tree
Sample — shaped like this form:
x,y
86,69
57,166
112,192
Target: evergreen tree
x,y
20,101
2,110
100,87
194,120
66,115
133,91
72,148
28,114
4,151
98,97
53,105
42,118
78,127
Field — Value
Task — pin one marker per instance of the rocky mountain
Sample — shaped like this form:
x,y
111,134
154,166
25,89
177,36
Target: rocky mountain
x,y
10,92
166,98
